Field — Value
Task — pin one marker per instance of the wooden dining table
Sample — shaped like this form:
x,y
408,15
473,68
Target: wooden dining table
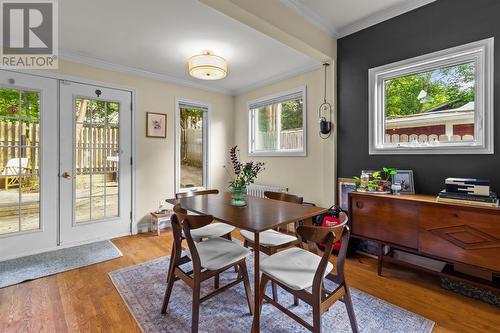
x,y
257,216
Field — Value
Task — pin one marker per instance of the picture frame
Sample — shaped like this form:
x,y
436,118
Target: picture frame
x,y
345,185
405,177
156,125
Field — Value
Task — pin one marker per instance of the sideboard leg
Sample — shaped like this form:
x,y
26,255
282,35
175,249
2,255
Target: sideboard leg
x,y
380,258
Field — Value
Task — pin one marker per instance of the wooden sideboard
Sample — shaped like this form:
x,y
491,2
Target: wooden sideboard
x,y
466,238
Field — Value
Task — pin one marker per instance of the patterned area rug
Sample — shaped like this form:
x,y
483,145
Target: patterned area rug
x,y
142,287
48,263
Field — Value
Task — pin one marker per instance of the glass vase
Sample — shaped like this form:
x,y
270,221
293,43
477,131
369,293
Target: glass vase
x,y
238,196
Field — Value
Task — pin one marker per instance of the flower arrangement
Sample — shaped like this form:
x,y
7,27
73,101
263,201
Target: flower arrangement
x,y
244,174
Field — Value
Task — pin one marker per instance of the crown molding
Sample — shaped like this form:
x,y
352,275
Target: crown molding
x,y
311,66
311,16
81,59
323,24
381,16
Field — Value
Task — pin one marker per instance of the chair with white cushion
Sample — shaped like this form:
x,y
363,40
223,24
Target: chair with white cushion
x,y
271,241
302,274
209,258
212,230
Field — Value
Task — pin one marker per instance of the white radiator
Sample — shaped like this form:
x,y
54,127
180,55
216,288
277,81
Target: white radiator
x,y
258,190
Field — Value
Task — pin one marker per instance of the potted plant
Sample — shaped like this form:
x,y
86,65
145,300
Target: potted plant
x,y
243,175
378,181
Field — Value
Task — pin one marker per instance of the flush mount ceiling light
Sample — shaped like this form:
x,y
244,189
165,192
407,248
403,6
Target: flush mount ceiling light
x,y
207,66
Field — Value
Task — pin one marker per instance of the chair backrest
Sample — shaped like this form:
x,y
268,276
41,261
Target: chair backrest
x,y
188,223
328,236
283,197
194,193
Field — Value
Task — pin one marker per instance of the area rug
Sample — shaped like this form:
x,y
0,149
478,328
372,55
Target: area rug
x,y
142,287
39,265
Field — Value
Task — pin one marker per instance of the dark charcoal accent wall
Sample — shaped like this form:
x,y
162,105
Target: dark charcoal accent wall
x,y
439,25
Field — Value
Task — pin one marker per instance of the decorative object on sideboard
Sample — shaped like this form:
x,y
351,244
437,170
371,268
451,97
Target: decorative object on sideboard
x,y
243,175
405,178
325,124
375,181
156,125
467,191
345,185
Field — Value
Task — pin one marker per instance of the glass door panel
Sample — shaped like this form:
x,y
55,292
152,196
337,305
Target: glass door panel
x,y
19,160
28,164
96,163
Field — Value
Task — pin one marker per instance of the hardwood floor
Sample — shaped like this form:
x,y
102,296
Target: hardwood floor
x,y
85,300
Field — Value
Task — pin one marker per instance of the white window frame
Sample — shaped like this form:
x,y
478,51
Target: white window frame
x,y
481,53
251,125
206,143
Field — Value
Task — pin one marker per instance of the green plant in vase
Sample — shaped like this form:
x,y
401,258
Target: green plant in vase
x,y
243,175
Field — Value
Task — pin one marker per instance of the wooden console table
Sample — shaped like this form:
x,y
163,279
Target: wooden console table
x,y
466,238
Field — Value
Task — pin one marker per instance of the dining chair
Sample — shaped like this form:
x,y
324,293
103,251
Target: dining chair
x,y
217,229
296,270
271,241
209,258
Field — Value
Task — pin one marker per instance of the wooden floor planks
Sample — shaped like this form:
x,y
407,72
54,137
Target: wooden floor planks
x,y
85,300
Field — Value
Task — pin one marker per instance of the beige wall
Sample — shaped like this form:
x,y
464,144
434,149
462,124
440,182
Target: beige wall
x,y
155,157
312,176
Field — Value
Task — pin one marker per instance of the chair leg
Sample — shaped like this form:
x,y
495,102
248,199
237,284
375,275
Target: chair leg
x,y
273,285
171,264
275,291
216,281
246,281
168,291
195,311
350,309
295,300
316,318
263,284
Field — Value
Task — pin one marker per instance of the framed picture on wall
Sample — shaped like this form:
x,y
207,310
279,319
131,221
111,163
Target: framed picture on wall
x,y
345,185
405,178
156,125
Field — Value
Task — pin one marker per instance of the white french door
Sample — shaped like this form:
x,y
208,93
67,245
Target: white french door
x,y
28,164
95,162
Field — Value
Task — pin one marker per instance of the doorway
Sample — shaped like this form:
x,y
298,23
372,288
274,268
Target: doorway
x,y
191,131
65,163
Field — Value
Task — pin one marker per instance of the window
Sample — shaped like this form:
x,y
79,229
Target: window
x,y
436,103
277,124
192,143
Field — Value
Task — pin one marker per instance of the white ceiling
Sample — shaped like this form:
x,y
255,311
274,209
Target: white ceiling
x,y
158,36
344,17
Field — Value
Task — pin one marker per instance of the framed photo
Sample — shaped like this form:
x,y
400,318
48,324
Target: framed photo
x,y
156,125
405,177
345,185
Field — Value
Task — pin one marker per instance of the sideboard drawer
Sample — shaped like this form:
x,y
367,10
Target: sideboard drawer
x,y
391,221
462,235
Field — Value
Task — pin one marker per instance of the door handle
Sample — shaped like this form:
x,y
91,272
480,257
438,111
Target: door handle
x,y
66,175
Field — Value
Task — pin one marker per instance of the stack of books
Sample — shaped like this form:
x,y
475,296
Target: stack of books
x,y
468,192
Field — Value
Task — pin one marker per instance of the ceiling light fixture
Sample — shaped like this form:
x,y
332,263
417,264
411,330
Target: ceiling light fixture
x,y
207,66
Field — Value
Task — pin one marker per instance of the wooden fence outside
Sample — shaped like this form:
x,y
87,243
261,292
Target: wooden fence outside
x,y
95,151
292,139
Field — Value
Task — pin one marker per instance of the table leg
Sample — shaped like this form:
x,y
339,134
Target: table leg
x,y
256,285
